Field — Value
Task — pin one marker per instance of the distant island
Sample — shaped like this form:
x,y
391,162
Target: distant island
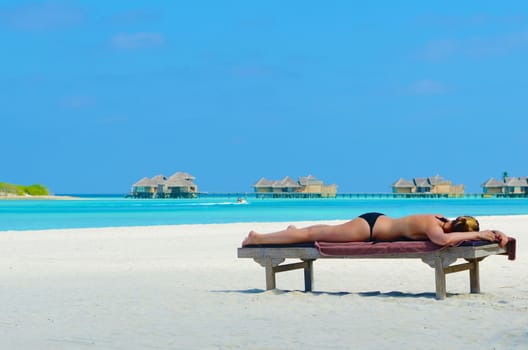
x,y
22,190
35,191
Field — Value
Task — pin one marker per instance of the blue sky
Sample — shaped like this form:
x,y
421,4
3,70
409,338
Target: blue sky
x,y
98,94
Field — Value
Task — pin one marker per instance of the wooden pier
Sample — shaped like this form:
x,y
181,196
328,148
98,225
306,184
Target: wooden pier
x,y
381,195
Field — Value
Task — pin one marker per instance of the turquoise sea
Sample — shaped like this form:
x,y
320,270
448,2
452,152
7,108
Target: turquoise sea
x,y
113,211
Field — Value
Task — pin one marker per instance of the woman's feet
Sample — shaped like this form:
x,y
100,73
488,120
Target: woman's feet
x,y
255,238
250,239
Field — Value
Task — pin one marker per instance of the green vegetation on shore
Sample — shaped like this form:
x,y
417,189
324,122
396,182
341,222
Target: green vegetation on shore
x,y
21,190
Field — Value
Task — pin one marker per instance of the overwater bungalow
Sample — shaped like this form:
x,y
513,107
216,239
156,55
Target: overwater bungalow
x,y
179,185
435,185
144,188
305,187
507,187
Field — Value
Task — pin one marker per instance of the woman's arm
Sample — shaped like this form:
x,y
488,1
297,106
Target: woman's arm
x,y
438,236
501,238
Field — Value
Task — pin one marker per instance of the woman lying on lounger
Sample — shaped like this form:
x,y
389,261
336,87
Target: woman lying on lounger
x,y
378,227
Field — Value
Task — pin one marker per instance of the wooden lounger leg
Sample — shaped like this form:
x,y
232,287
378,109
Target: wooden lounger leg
x,y
308,275
271,269
474,276
440,273
270,275
440,278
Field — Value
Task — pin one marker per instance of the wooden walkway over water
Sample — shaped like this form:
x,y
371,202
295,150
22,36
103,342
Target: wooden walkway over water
x,y
246,195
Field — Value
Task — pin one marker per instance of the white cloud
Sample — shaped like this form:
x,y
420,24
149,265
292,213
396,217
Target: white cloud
x,y
134,17
459,22
112,120
135,41
439,50
77,102
42,16
427,87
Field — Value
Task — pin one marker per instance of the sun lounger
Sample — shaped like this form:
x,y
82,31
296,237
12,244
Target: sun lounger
x,y
440,258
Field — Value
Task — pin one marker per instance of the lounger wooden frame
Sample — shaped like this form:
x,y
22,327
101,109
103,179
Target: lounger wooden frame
x,y
271,259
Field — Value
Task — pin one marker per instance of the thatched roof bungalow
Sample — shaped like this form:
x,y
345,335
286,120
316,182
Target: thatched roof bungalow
x,y
144,188
427,185
508,186
403,186
307,186
179,185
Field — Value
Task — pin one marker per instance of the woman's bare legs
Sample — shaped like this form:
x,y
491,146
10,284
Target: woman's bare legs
x,y
356,230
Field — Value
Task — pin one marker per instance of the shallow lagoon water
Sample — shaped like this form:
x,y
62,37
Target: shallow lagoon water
x,y
118,211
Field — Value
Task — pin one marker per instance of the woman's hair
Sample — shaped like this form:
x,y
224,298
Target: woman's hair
x,y
465,224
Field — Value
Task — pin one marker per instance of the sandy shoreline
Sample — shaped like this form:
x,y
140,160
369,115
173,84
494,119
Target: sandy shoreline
x,y
8,196
182,287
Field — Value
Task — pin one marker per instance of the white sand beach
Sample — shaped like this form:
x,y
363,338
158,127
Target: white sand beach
x,y
183,287
10,196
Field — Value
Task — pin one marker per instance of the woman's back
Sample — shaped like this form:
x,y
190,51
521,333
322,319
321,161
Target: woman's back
x,y
413,227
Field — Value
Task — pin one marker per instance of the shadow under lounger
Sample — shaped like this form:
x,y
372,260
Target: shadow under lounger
x,y
271,257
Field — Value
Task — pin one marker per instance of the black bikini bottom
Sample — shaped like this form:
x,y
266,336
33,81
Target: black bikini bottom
x,y
371,218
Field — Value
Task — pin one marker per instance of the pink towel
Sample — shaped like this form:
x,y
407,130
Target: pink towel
x,y
398,247
511,248
369,248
